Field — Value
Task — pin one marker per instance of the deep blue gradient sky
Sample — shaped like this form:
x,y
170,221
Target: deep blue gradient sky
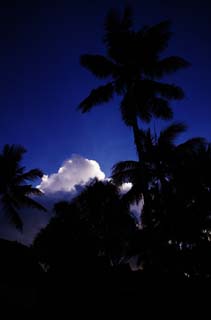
x,y
42,83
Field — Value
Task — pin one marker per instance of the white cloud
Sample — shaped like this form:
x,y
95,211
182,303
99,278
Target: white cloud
x,y
73,172
125,187
66,183
136,209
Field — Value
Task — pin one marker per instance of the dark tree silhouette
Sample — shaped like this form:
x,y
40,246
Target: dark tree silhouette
x,y
14,190
95,226
174,182
134,66
154,171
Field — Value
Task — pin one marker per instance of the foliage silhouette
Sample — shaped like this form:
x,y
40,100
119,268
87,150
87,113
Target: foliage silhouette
x,y
134,66
91,240
174,181
14,190
94,227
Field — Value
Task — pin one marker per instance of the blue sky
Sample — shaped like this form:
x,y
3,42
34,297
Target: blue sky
x,y
42,82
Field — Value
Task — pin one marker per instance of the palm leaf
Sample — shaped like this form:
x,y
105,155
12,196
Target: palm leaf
x,y
112,21
128,109
124,165
144,113
13,192
29,202
13,152
169,134
97,96
170,65
160,108
157,36
129,175
26,190
118,34
9,207
126,171
192,145
169,91
29,176
127,19
99,65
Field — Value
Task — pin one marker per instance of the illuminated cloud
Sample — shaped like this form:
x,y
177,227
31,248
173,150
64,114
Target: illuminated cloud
x,y
73,172
125,187
135,207
66,183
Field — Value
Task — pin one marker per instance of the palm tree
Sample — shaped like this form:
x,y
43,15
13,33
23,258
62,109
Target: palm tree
x,y
162,161
133,65
14,190
175,183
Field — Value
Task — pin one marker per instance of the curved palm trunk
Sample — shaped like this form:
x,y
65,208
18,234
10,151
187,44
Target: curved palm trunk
x,y
137,138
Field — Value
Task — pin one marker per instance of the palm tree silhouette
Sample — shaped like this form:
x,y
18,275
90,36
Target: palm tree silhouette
x,y
134,65
175,183
152,177
14,190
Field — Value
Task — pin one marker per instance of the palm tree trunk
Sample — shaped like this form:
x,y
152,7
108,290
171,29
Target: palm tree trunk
x,y
137,138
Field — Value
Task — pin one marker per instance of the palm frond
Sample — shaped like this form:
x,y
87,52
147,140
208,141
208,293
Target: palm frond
x,y
118,35
169,91
160,108
169,134
99,65
29,202
29,176
26,190
192,145
112,21
127,107
124,165
129,175
144,113
127,19
157,36
13,152
10,208
126,171
97,96
170,65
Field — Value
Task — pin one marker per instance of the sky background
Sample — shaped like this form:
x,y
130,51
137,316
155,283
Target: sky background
x,y
42,82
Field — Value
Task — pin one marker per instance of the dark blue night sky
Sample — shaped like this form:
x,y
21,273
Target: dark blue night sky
x,y
42,82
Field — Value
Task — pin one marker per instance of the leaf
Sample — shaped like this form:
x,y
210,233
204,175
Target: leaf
x,y
9,207
125,171
169,134
99,65
169,65
157,36
29,176
97,96
160,108
29,202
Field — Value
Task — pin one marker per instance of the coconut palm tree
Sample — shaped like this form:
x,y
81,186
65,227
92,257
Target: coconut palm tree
x,y
152,177
134,66
14,190
175,183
